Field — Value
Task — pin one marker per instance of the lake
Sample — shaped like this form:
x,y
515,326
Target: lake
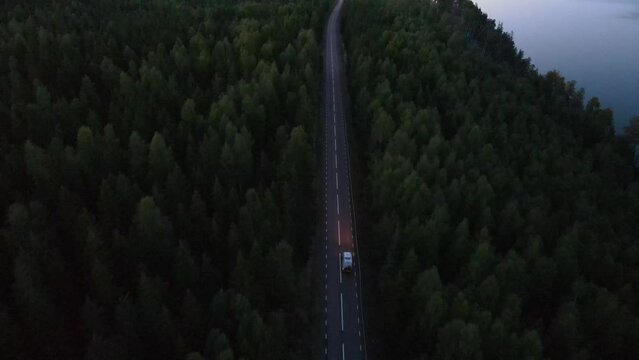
x,y
594,42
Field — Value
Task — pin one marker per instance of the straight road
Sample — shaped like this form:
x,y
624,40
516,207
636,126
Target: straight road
x,y
344,336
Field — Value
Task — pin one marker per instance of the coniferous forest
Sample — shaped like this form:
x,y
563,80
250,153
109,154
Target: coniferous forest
x,y
158,182
156,163
502,211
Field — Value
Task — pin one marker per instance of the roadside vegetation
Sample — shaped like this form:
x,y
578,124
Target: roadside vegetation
x,y
156,171
502,210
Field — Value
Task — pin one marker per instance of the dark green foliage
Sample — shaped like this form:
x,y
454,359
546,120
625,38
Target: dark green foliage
x,y
632,130
504,211
156,178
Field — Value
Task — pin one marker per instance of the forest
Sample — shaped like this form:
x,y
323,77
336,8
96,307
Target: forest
x,y
497,207
157,178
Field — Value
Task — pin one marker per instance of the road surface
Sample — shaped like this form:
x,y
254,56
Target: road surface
x,y
344,336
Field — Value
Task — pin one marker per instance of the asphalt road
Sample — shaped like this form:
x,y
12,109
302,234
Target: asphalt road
x,y
344,336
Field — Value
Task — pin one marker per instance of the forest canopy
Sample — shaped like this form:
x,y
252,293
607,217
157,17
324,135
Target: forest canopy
x,y
156,163
158,185
502,210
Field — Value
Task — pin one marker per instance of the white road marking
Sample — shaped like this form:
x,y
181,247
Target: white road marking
x,y
338,204
339,237
343,355
341,304
336,182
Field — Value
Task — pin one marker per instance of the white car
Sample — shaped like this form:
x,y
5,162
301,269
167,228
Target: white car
x,y
347,261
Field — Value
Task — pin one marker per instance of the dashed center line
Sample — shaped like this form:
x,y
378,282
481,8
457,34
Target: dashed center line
x,y
341,304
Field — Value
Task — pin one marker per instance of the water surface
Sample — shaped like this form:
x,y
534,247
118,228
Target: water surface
x,y
594,42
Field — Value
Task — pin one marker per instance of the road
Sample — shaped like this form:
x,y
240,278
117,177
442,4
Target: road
x,y
344,336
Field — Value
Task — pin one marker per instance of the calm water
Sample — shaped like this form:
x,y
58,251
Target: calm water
x,y
594,42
